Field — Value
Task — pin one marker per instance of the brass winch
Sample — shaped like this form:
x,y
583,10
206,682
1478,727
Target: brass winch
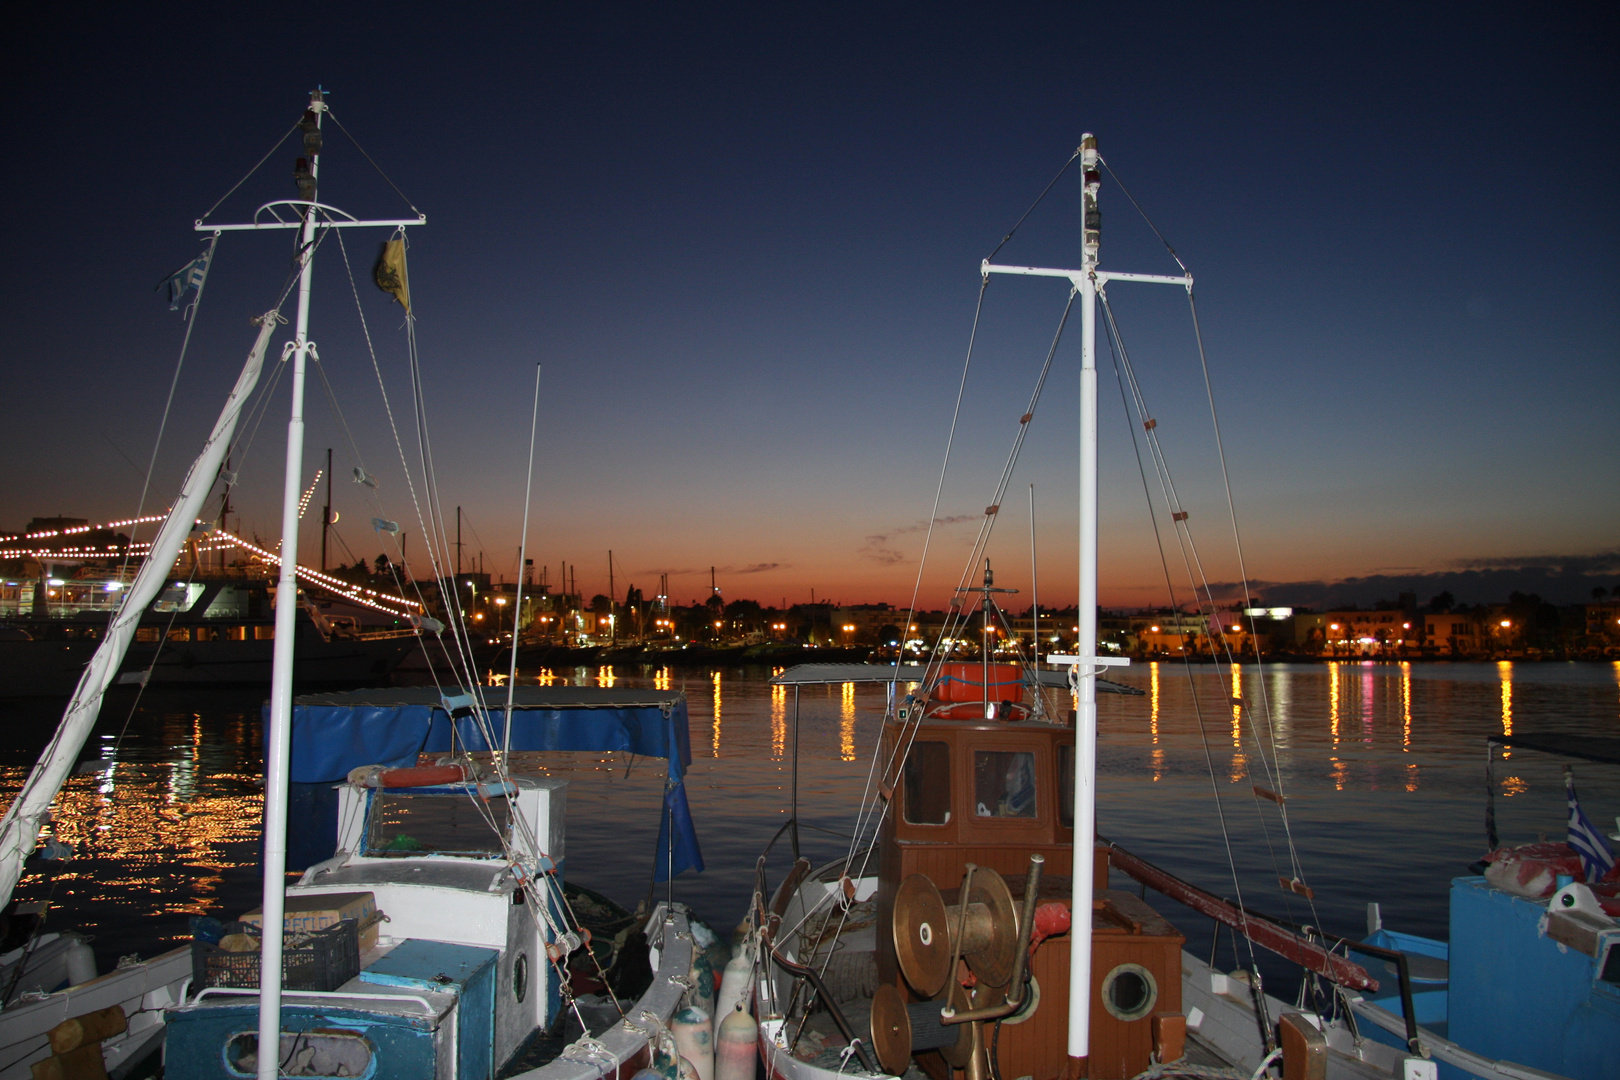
x,y
987,931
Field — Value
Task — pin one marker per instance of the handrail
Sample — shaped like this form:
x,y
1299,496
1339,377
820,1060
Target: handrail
x,y
253,991
1408,1013
803,972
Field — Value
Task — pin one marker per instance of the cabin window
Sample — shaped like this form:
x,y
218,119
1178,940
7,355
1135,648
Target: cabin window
x,y
1003,784
236,633
206,633
264,633
403,824
229,603
178,597
148,633
1066,786
928,783
180,633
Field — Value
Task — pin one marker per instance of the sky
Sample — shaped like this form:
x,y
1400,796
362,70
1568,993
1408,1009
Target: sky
x,y
742,243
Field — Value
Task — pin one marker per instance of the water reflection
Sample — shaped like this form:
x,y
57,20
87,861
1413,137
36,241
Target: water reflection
x,y
1406,706
846,723
1333,701
1237,705
605,676
716,678
1157,754
1504,670
778,722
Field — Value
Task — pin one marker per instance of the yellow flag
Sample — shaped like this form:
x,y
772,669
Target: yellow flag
x,y
390,272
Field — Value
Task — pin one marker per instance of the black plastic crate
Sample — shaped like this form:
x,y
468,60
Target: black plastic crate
x,y
321,960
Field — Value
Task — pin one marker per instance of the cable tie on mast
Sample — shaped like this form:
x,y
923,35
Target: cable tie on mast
x,y
992,510
1149,424
1179,515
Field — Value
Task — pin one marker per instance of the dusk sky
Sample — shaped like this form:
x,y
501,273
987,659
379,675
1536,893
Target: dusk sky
x,y
744,243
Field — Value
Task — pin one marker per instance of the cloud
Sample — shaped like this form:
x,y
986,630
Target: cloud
x,y
1558,579
879,547
751,568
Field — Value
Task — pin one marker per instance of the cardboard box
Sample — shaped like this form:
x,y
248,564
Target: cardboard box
x,y
306,912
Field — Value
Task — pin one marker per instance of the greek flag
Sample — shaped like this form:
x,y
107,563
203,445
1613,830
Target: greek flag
x,y
189,276
1585,838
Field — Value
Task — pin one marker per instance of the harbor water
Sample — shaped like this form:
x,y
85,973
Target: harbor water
x,y
1381,765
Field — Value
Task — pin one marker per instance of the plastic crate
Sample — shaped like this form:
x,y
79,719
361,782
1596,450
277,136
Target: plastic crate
x,y
322,960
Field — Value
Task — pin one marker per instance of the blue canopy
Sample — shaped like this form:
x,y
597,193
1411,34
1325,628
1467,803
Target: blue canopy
x,y
335,733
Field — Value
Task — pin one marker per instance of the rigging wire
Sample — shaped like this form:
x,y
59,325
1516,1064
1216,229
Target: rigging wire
x,y
250,173
168,403
1034,204
333,117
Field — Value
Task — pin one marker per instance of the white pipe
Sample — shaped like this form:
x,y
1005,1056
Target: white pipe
x,y
1085,735
281,677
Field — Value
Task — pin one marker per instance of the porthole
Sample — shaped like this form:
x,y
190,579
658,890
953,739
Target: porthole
x,y
1129,992
1032,1001
520,977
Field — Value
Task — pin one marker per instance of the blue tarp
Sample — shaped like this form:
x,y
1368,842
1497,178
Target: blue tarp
x,y
335,733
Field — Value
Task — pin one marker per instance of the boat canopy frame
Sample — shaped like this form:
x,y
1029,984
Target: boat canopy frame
x,y
333,734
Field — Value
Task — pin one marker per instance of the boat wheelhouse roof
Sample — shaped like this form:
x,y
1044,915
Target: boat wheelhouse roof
x,y
827,674
1601,749
523,697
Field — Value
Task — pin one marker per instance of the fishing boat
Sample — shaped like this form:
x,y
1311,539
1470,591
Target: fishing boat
x,y
450,867
948,937
205,629
433,937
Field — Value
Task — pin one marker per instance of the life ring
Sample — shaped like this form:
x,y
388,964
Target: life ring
x,y
415,776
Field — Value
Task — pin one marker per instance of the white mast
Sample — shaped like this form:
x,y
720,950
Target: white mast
x,y
281,673
1087,664
311,216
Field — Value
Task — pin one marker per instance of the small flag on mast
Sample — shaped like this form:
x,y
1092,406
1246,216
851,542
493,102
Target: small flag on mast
x,y
1584,837
189,276
390,272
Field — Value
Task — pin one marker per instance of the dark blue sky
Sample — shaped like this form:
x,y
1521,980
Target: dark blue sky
x,y
744,240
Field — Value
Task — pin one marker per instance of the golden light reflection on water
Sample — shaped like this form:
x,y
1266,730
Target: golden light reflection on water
x,y
716,678
1512,786
846,723
1333,702
778,722
661,679
1237,709
1240,760
605,676
1406,708
1504,669
1157,754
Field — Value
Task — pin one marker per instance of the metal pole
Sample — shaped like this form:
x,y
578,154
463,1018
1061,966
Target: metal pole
x,y
326,514
281,680
1034,588
523,550
1085,736
794,810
